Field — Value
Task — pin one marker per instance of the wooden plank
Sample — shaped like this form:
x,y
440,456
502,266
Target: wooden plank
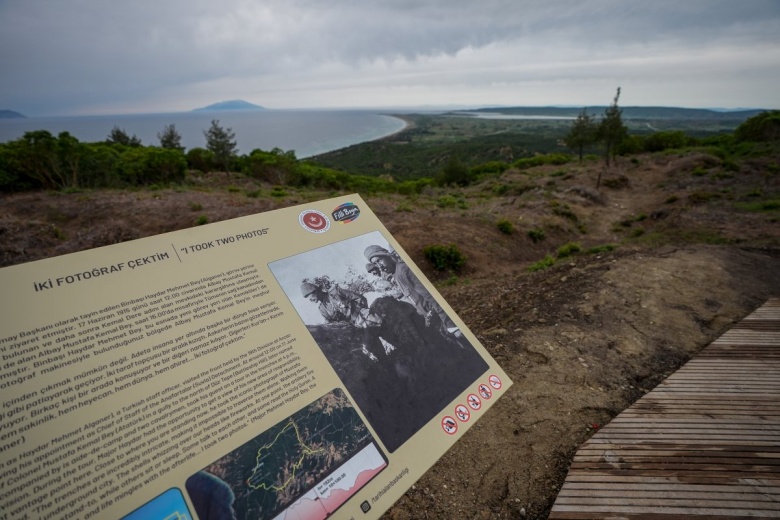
x,y
704,443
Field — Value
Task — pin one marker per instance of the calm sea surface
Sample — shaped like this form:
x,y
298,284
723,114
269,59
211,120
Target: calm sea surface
x,y
307,132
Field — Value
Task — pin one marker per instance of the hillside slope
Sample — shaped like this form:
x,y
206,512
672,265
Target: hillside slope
x,y
697,249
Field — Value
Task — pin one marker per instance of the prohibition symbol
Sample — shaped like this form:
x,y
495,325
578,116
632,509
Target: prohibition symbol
x,y
474,402
495,381
449,425
485,392
462,413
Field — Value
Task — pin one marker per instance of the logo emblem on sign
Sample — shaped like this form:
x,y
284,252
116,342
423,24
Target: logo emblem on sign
x,y
345,213
314,221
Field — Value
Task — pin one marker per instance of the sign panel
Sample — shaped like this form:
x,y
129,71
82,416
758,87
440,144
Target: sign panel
x,y
290,364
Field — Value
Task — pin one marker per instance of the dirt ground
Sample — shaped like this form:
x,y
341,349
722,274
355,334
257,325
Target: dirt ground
x,y
581,340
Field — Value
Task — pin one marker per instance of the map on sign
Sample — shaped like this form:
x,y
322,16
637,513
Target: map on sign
x,y
305,466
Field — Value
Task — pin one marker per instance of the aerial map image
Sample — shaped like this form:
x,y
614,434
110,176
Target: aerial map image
x,y
304,467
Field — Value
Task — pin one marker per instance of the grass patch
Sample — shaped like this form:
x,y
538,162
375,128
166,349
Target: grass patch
x,y
563,210
201,220
448,201
597,250
196,206
759,206
700,197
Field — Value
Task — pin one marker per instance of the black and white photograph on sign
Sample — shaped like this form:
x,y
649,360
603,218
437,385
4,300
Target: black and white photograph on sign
x,y
396,350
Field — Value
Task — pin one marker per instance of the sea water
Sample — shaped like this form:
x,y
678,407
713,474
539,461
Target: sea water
x,y
306,132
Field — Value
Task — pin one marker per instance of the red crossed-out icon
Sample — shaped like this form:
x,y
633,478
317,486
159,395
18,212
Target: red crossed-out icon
x,y
495,381
462,413
449,425
485,391
474,401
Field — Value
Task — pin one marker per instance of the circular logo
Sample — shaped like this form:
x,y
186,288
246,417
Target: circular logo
x,y
314,221
495,382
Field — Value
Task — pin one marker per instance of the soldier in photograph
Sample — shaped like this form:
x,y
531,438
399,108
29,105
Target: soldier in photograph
x,y
411,288
337,304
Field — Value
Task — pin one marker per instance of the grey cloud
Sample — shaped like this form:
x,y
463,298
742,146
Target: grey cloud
x,y
70,53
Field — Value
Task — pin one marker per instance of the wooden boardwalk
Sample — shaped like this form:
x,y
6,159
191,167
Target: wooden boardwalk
x,y
704,444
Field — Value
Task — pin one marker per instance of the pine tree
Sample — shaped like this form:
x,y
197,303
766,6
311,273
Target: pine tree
x,y
170,138
612,131
221,142
119,136
583,132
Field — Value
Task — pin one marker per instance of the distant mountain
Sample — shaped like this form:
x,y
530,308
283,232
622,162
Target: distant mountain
x,y
235,104
10,114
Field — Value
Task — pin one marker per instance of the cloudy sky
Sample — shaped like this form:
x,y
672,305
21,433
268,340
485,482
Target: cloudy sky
x,y
63,57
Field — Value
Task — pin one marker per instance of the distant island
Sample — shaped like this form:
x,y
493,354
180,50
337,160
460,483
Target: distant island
x,y
235,104
10,114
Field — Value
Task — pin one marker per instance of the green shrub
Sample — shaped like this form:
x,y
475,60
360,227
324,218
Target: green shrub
x,y
700,197
556,159
606,248
196,206
758,206
490,168
446,201
568,249
536,235
544,263
445,257
762,127
500,189
665,140
699,171
203,219
616,183
200,159
505,226
563,210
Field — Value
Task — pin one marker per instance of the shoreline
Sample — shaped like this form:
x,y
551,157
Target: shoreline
x,y
408,125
